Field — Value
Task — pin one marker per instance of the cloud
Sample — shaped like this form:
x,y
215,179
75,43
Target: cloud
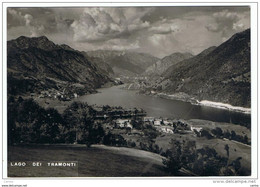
x,y
14,18
28,19
121,44
159,31
163,28
223,20
227,22
238,26
101,24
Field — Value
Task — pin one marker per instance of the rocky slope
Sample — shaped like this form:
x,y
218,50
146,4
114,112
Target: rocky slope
x,y
37,63
162,65
124,62
102,65
219,74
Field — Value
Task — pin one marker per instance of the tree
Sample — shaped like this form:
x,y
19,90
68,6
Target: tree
x,y
217,132
208,162
227,134
205,133
143,146
233,169
246,140
11,121
94,134
114,140
173,162
80,120
30,123
236,165
188,152
227,150
137,124
233,135
152,133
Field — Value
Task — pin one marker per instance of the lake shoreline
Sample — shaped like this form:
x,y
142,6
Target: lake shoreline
x,y
186,98
162,105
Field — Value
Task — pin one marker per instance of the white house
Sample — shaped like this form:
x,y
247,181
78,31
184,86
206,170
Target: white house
x,y
166,130
148,119
157,123
165,122
128,125
198,129
123,123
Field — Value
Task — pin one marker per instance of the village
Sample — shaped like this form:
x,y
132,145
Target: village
x,y
130,119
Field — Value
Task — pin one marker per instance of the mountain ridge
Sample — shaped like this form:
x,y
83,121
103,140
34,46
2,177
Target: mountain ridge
x,y
220,74
124,62
40,58
162,65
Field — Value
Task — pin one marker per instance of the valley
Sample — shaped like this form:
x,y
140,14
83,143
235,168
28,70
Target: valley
x,y
198,105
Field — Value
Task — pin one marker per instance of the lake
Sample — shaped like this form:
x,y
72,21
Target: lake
x,y
160,107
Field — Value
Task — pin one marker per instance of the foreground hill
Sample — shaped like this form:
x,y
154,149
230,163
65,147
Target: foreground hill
x,y
97,161
37,63
219,74
162,65
124,62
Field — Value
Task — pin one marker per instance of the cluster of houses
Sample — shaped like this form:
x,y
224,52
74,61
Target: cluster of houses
x,y
120,124
170,126
162,125
123,123
51,93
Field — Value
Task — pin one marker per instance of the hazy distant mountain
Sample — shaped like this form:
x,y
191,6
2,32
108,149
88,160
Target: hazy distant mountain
x,y
219,74
101,64
124,62
162,65
40,61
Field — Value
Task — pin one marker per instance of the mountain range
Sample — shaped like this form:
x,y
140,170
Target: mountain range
x,y
220,74
124,62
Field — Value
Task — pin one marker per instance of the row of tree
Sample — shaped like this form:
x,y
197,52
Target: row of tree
x,y
30,123
219,133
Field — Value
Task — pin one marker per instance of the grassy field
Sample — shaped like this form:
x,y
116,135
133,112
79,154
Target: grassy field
x,y
97,161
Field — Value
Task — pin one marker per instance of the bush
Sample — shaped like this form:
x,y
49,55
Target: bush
x,y
152,133
205,133
114,140
131,143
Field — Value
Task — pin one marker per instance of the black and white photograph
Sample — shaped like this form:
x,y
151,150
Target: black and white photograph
x,y
129,91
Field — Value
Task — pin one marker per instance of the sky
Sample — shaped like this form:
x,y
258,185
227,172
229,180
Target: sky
x,y
159,31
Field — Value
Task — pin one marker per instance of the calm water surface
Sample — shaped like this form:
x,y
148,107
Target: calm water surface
x,y
159,107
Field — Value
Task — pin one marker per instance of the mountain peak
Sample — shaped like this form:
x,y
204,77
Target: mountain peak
x,y
239,35
24,42
41,38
